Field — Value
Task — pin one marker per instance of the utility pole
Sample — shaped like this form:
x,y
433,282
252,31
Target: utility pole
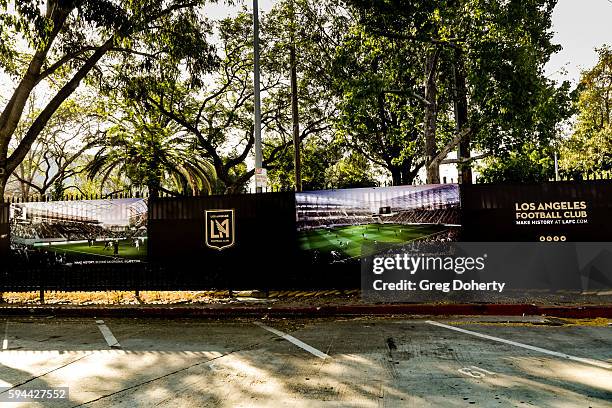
x,y
259,172
295,115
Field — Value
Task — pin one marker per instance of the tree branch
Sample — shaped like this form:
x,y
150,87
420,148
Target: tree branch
x,y
466,159
450,146
46,114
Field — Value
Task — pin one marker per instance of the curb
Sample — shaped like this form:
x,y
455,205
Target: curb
x,y
578,312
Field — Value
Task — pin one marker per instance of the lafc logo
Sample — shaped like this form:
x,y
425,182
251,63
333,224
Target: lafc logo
x,y
220,228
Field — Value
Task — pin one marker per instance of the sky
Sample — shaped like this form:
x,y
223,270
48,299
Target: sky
x,y
580,26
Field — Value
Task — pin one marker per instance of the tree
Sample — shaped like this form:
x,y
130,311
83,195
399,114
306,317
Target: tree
x,y
53,160
532,164
589,148
150,151
302,36
318,155
219,114
325,165
351,171
382,110
415,25
494,52
68,40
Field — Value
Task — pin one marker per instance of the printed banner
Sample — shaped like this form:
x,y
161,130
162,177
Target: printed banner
x,y
79,232
334,225
546,212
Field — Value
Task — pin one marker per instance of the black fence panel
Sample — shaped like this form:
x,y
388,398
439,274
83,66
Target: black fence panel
x,y
249,241
275,240
555,211
71,278
256,246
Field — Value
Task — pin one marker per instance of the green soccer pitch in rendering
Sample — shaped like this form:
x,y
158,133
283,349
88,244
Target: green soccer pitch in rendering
x,y
126,250
349,239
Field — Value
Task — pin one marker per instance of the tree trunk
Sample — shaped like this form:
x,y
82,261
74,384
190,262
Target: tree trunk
x,y
396,175
408,175
3,181
431,116
461,117
154,190
25,189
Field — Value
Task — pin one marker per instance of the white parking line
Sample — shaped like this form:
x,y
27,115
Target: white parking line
x,y
596,363
5,341
293,340
108,335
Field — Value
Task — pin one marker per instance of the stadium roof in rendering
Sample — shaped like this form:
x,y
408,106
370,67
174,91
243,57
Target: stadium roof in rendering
x,y
110,212
397,198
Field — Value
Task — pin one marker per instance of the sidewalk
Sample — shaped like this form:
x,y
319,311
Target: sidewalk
x,y
284,304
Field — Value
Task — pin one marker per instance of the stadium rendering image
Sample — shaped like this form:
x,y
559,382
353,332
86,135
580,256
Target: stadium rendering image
x,y
69,231
337,223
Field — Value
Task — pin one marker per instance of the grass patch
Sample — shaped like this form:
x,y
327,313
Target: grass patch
x,y
349,239
126,250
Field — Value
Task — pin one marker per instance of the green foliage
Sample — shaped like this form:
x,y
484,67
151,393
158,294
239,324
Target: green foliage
x,y
530,165
314,29
507,45
151,152
57,192
52,163
317,158
218,113
352,171
176,47
64,43
324,165
212,112
589,149
504,46
379,117
587,153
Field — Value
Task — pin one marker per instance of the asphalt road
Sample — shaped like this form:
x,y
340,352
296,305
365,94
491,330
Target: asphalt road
x,y
361,362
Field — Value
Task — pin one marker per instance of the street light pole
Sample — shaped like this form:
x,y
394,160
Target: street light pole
x,y
256,90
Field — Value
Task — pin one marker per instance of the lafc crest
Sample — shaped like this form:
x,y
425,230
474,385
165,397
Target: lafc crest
x,y
220,228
